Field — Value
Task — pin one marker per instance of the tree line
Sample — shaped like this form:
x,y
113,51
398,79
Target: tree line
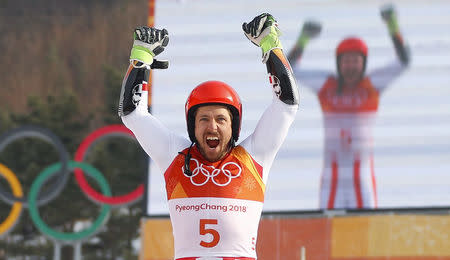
x,y
63,63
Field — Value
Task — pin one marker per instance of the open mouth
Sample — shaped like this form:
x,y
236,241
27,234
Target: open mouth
x,y
212,141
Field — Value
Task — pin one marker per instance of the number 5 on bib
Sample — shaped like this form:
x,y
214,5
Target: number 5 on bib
x,y
205,231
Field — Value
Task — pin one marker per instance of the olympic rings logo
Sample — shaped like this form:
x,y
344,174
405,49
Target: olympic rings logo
x,y
225,169
60,171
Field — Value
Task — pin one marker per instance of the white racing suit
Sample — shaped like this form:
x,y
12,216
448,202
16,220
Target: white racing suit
x,y
348,177
215,212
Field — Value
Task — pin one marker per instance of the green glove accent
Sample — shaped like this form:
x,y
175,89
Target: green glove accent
x,y
271,40
393,25
141,54
302,41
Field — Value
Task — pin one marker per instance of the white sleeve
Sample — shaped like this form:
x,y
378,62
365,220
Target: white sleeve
x,y
158,141
382,77
270,133
312,79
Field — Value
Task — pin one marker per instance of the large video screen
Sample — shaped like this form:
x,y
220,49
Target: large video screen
x,y
396,155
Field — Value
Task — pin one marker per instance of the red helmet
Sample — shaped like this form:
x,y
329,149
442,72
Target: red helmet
x,y
352,44
348,45
210,93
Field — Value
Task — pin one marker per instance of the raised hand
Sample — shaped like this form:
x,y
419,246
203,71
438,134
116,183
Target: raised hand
x,y
263,32
387,12
311,29
148,43
389,16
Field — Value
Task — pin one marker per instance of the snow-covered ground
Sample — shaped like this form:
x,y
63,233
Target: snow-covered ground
x,y
412,131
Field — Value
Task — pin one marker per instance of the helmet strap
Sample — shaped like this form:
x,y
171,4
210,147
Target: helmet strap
x,y
187,159
232,143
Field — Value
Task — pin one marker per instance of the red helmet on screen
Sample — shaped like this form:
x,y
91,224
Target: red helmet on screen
x,y
352,44
210,93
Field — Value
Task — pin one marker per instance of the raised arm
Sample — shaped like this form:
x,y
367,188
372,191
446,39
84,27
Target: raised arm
x,y
382,77
312,79
389,16
148,42
273,126
310,30
159,143
263,32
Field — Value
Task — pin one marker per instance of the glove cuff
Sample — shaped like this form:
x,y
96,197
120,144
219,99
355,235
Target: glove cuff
x,y
265,56
141,54
271,41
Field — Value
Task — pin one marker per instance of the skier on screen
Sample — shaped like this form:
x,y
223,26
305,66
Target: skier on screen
x,y
215,186
349,102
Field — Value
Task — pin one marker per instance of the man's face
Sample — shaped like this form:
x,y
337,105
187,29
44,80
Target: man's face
x,y
213,131
351,65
